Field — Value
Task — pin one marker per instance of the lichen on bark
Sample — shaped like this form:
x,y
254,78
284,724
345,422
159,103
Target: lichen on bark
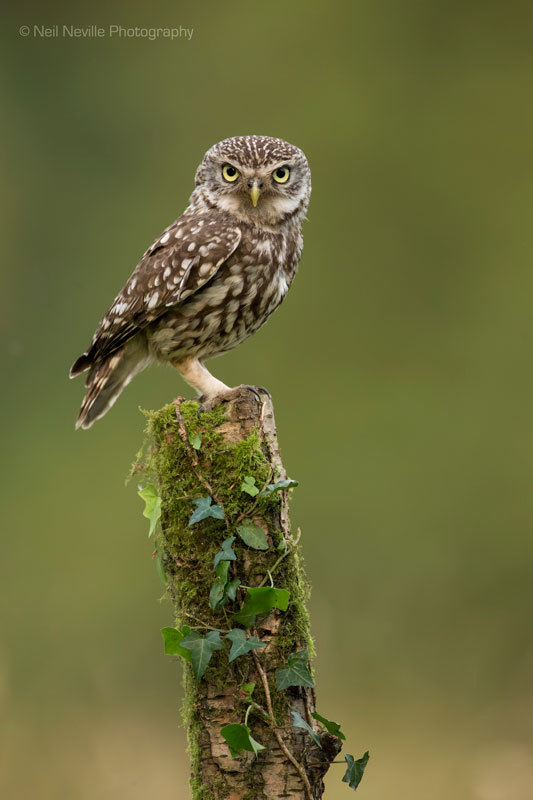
x,y
238,440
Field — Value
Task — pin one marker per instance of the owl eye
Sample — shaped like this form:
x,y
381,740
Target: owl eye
x,y
281,174
230,173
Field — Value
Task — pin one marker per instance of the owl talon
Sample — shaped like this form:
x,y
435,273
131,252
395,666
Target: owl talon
x,y
208,404
254,390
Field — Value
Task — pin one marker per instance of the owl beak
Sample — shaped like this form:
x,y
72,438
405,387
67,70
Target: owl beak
x,y
255,191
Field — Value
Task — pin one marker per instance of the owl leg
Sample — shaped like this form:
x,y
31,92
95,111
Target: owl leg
x,y
196,375
211,390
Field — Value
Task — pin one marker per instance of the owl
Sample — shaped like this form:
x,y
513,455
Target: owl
x,y
211,279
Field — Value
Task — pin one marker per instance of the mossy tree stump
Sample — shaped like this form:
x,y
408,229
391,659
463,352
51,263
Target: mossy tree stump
x,y
212,455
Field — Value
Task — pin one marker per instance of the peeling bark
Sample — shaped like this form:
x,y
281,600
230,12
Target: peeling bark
x,y
292,766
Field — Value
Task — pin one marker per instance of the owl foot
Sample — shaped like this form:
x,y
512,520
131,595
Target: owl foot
x,y
209,403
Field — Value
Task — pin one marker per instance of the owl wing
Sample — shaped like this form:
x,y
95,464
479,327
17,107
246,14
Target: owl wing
x,y
177,264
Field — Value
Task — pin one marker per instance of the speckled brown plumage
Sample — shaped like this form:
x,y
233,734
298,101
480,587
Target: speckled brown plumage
x,y
211,279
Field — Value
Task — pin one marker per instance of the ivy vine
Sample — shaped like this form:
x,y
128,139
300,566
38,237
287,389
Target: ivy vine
x,y
196,644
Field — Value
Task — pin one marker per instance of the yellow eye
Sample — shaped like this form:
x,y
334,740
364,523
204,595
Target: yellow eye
x,y
281,174
230,173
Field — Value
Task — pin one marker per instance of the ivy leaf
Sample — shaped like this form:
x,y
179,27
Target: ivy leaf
x,y
261,600
201,649
299,722
239,738
355,770
253,535
205,508
216,595
248,486
225,553
247,620
270,488
160,568
248,689
332,727
223,589
172,638
296,673
231,588
152,505
218,590
240,644
195,441
222,571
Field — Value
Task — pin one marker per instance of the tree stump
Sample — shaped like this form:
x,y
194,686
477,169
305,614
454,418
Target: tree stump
x,y
223,491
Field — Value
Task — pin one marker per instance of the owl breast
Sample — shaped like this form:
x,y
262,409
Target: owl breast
x,y
238,301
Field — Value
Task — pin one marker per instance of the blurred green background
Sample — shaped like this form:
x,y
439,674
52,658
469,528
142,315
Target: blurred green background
x,y
400,366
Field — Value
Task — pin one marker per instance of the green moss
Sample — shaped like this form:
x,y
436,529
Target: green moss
x,y
225,464
194,728
167,464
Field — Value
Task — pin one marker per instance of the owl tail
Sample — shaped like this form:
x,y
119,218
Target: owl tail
x,y
107,378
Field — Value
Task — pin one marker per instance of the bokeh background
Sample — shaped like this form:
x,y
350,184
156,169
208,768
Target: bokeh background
x,y
400,366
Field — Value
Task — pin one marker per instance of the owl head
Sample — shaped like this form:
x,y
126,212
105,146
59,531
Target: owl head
x,y
257,179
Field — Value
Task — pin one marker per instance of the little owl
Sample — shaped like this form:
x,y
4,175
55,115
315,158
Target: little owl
x,y
211,279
